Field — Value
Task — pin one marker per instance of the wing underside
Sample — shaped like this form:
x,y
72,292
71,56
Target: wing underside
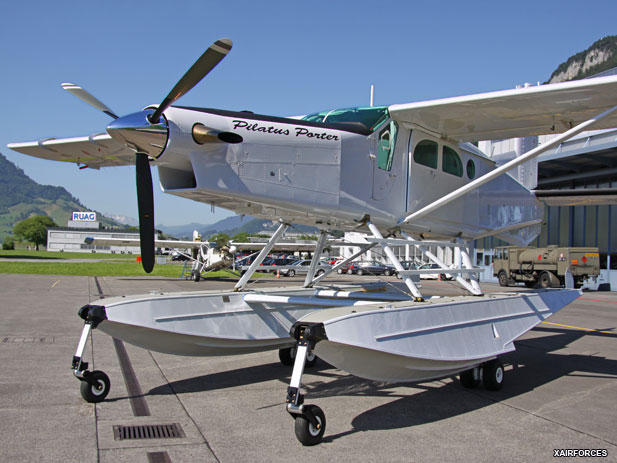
x,y
536,110
94,151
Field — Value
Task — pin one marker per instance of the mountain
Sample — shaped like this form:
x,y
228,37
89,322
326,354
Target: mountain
x,y
182,231
252,226
228,225
22,197
123,219
599,57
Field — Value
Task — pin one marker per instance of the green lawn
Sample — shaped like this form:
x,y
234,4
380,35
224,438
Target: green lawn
x,y
25,254
129,268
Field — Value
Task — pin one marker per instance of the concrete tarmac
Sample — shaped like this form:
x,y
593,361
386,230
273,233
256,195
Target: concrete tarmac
x,y
560,391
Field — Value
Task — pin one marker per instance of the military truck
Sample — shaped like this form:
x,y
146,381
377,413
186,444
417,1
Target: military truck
x,y
545,267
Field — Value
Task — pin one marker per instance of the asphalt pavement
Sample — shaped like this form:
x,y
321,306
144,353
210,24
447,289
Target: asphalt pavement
x,y
560,391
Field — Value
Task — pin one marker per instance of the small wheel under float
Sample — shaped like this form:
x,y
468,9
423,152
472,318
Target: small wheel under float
x,y
468,378
306,432
94,386
287,356
493,375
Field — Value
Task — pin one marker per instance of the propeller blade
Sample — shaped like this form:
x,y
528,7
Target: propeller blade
x,y
206,62
88,98
145,204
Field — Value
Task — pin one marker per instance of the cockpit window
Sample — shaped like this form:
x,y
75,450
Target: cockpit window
x,y
371,117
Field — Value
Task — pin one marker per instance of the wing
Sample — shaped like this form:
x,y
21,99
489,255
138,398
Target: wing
x,y
580,197
277,247
95,151
537,110
173,244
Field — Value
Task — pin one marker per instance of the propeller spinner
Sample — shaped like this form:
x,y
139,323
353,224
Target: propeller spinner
x,y
146,133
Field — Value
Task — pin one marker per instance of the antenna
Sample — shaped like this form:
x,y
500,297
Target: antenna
x,y
372,94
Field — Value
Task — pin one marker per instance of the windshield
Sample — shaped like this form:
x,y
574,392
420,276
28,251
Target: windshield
x,y
371,117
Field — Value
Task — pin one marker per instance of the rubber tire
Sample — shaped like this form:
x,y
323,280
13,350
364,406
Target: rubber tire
x,y
291,273
311,359
387,273
196,276
305,432
320,272
502,276
339,271
544,280
287,356
493,375
360,272
90,393
349,271
467,379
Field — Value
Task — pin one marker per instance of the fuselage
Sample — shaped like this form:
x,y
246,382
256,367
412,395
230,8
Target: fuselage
x,y
333,169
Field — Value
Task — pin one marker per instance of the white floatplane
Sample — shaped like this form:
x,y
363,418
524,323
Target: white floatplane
x,y
405,171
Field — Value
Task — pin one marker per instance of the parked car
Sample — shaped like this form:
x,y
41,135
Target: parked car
x,y
278,262
433,276
302,267
409,265
175,255
348,268
372,267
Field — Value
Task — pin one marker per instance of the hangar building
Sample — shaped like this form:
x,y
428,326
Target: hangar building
x,y
83,225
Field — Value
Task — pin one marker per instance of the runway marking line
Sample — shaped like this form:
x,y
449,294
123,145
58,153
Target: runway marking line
x,y
579,328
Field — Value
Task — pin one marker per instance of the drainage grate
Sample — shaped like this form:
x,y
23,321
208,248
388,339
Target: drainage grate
x,y
148,431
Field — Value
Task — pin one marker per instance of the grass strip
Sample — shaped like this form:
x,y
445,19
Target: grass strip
x,y
95,269
25,254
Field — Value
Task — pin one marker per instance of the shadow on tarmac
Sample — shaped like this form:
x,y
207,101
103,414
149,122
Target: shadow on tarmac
x,y
234,378
532,365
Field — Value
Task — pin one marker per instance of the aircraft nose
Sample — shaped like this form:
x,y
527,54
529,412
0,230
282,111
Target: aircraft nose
x,y
139,134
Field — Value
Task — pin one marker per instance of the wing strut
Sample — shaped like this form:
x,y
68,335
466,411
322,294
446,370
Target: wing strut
x,y
261,256
506,167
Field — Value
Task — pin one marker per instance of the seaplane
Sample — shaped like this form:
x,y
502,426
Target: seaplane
x,y
403,174
208,256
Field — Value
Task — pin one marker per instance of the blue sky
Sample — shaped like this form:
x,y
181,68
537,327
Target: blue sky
x,y
289,57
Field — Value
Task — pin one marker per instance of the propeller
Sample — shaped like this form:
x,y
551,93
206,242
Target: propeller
x,y
88,98
145,206
206,62
146,134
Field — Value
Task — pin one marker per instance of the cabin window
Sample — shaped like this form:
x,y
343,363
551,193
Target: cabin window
x,y
425,153
451,163
471,169
387,139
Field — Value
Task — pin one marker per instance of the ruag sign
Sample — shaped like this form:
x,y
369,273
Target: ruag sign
x,y
84,217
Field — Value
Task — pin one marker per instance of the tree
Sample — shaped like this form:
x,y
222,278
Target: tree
x,y
241,237
221,239
8,244
34,229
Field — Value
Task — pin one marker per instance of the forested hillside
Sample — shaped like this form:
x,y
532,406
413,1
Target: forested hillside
x,y
599,57
22,197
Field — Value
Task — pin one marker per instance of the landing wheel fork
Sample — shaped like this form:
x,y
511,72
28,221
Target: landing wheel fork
x,y
309,420
94,384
